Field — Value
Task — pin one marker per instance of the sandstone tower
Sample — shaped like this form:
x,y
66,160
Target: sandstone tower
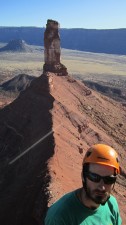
x,y
52,49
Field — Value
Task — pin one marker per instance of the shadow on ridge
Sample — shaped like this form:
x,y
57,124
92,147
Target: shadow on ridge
x,y
26,145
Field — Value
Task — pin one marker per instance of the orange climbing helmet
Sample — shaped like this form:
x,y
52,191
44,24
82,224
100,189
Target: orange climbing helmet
x,y
102,154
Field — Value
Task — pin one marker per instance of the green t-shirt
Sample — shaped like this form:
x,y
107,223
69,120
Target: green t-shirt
x,y
70,211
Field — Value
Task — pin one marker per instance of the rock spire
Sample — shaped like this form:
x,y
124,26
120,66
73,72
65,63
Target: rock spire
x,y
52,49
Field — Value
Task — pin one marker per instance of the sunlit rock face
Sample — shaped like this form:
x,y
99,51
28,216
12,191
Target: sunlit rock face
x,y
52,43
52,49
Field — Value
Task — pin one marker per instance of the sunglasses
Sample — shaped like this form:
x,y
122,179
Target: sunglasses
x,y
96,178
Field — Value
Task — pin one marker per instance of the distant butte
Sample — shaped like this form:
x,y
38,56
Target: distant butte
x,y
16,46
52,50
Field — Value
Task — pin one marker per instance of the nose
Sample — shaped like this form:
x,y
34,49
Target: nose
x,y
101,185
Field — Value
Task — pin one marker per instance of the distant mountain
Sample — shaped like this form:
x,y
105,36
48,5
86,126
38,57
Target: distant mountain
x,y
32,35
16,46
17,83
90,40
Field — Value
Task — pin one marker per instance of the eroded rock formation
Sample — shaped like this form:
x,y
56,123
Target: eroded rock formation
x,y
52,49
16,45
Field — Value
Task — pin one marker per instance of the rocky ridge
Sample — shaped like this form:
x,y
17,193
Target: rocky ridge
x,y
17,84
44,134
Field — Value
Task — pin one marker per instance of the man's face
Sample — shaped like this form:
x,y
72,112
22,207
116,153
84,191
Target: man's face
x,y
99,192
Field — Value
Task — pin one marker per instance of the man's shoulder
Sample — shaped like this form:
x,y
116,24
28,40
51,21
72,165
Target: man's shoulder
x,y
60,209
63,202
112,199
112,203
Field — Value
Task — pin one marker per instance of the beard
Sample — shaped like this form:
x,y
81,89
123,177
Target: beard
x,y
99,197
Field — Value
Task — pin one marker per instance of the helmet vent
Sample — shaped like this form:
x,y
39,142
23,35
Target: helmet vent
x,y
117,160
88,154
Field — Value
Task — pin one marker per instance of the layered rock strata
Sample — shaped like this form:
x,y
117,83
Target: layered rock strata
x,y
52,49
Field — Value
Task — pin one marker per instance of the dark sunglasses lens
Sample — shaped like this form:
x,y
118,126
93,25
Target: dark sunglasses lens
x,y
94,177
109,180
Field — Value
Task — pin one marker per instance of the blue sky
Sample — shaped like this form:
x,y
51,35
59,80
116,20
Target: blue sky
x,y
90,14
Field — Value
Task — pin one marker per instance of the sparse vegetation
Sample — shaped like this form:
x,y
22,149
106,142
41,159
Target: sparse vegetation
x,y
103,68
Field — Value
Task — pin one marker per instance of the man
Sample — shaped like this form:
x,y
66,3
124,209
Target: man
x,y
92,204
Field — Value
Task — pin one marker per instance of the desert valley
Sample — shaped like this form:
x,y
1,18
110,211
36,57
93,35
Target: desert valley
x,y
47,122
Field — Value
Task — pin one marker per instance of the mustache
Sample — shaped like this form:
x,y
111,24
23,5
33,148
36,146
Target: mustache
x,y
99,191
